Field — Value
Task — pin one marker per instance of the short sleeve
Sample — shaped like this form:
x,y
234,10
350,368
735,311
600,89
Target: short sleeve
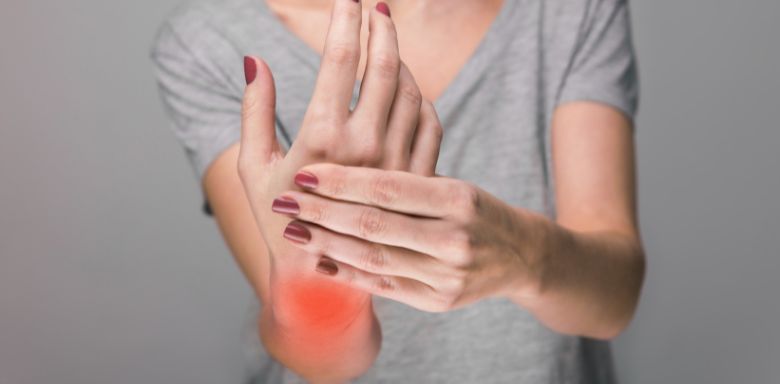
x,y
603,66
203,106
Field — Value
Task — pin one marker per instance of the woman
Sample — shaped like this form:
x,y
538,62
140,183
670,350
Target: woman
x,y
506,252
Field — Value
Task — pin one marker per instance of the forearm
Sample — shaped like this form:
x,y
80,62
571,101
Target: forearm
x,y
590,281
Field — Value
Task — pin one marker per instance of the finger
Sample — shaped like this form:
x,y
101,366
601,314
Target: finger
x,y
407,291
376,225
258,128
391,190
427,141
371,257
381,75
340,59
403,121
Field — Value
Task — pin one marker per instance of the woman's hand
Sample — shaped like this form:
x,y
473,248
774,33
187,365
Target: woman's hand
x,y
323,330
433,243
391,127
437,243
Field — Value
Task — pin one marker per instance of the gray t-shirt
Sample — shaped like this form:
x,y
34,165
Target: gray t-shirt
x,y
496,116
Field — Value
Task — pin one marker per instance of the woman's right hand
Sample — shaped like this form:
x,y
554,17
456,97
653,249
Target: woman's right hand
x,y
391,127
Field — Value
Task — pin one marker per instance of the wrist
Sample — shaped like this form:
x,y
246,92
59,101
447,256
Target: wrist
x,y
536,249
311,306
334,355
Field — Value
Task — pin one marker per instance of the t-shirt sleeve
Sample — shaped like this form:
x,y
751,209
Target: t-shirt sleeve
x,y
603,66
199,95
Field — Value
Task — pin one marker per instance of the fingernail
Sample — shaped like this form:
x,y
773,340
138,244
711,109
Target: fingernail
x,y
327,266
297,233
383,8
250,69
306,180
286,205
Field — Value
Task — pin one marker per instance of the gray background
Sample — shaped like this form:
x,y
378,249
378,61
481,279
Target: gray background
x,y
109,273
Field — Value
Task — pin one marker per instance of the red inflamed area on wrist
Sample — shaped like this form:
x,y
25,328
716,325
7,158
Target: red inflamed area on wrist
x,y
316,309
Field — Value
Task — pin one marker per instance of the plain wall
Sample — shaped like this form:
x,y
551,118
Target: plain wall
x,y
109,272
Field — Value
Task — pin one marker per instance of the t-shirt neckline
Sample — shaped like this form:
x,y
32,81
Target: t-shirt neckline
x,y
467,74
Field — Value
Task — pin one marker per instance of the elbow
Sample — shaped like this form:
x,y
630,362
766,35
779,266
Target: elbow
x,y
626,312
613,330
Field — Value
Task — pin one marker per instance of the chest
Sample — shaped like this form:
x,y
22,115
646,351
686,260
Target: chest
x,y
491,87
435,46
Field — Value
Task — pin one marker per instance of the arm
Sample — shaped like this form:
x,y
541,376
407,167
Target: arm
x,y
595,263
438,244
323,330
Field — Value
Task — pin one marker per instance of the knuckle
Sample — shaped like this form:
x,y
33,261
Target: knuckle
x,y
383,190
371,223
384,284
460,243
321,243
410,93
368,152
349,276
316,147
455,284
336,184
341,54
246,167
374,258
321,131
443,303
322,123
347,14
316,212
387,65
465,199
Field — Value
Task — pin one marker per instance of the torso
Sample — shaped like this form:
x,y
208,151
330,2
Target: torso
x,y
435,39
495,106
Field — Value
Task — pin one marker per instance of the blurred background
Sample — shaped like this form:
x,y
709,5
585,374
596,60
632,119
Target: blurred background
x,y
110,273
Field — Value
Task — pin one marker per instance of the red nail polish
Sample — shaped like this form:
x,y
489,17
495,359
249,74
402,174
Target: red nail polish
x,y
297,233
306,180
383,8
286,205
250,69
327,266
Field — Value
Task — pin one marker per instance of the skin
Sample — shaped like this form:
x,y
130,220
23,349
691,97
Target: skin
x,y
428,31
390,225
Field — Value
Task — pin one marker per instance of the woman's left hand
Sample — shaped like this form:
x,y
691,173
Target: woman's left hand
x,y
434,243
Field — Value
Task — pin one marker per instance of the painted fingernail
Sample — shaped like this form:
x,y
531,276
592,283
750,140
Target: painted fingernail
x,y
250,69
383,8
327,266
297,233
306,180
286,205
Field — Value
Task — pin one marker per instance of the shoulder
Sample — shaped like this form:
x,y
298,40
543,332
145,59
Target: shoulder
x,y
215,26
208,38
198,22
580,10
569,23
219,30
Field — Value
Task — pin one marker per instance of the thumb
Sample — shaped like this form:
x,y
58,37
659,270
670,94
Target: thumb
x,y
258,128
